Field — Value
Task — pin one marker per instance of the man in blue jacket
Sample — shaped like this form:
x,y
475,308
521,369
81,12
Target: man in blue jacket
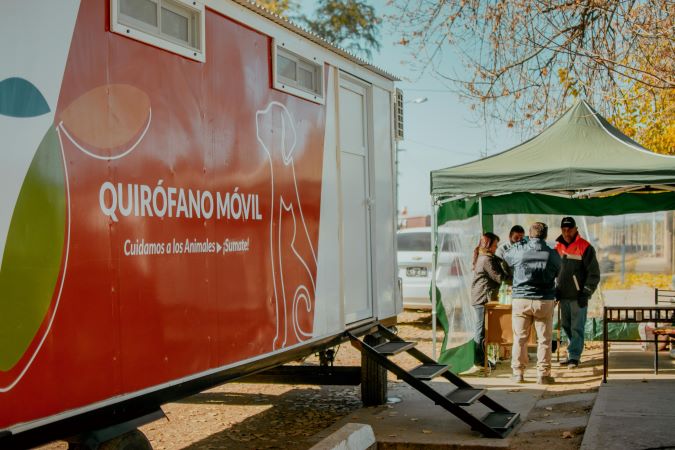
x,y
535,266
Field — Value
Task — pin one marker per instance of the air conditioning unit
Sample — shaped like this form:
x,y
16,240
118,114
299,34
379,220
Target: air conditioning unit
x,y
398,115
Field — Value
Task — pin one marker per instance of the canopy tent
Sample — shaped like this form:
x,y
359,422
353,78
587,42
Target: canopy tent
x,y
580,165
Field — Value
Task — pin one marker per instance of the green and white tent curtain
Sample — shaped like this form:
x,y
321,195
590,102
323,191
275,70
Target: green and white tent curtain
x,y
581,165
453,297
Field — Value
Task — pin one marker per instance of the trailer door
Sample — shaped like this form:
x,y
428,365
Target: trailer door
x,y
354,142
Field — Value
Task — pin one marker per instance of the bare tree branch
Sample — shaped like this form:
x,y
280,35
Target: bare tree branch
x,y
523,61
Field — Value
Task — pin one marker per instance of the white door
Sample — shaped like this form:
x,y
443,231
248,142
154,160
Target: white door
x,y
354,141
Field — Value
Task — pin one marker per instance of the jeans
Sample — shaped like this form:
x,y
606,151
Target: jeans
x,y
573,322
479,335
524,313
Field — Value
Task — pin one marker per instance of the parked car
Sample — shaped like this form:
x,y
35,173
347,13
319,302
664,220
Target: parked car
x,y
414,265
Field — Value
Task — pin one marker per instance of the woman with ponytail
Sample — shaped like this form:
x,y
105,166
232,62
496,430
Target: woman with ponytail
x,y
488,275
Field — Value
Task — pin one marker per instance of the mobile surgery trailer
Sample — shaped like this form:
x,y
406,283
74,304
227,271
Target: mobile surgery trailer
x,y
190,191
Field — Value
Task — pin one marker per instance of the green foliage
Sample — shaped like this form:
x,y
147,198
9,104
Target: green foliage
x,y
280,7
350,24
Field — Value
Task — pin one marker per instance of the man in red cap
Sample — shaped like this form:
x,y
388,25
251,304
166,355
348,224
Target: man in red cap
x,y
578,278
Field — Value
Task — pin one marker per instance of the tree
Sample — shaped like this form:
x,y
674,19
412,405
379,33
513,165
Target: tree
x,y
279,7
524,61
647,114
350,24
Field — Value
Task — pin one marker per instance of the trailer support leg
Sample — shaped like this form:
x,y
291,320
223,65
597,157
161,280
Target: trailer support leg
x,y
373,375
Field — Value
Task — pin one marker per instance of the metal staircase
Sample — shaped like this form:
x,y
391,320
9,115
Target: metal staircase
x,y
496,424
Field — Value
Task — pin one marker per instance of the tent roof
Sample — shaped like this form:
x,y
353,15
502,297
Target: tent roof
x,y
580,155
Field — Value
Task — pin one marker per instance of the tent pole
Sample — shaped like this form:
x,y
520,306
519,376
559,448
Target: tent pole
x,y
434,255
480,213
654,234
623,251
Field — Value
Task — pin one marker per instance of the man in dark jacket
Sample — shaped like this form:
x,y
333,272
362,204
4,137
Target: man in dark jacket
x,y
535,266
579,277
516,235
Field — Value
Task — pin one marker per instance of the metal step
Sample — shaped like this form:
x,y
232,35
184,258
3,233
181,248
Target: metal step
x,y
394,347
428,371
465,396
501,421
493,425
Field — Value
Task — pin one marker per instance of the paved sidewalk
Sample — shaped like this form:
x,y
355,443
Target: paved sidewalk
x,y
635,408
415,422
632,414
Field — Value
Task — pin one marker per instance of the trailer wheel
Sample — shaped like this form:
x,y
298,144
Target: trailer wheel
x,y
133,440
373,376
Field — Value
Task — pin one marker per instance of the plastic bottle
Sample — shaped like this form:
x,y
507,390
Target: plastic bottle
x,y
502,294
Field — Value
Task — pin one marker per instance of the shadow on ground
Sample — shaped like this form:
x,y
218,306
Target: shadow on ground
x,y
420,319
228,398
291,418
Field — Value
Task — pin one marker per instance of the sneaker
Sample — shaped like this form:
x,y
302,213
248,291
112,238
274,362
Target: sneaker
x,y
545,379
518,378
572,364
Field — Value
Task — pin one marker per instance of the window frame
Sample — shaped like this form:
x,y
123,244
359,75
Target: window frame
x,y
136,29
313,62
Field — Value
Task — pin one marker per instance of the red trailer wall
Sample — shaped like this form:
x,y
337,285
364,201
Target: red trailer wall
x,y
121,323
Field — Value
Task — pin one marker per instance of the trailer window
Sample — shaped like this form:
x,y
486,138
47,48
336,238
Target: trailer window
x,y
174,25
143,10
298,75
287,68
177,25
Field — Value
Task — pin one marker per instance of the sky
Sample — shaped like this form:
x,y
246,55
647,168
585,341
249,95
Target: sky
x,y
439,132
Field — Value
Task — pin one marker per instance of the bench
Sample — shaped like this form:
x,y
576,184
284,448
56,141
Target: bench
x,y
663,312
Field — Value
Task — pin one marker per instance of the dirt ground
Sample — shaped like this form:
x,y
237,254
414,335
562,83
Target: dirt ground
x,y
260,416
565,407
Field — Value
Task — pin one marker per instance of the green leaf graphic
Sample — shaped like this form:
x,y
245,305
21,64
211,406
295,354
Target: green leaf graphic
x,y
32,258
